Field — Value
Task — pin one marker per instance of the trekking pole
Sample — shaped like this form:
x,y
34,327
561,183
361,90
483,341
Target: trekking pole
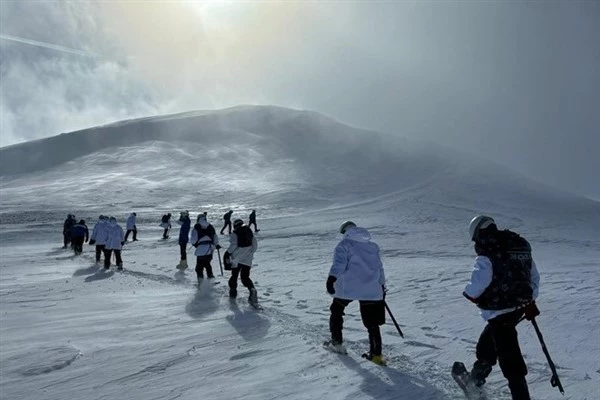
x,y
393,319
554,381
220,264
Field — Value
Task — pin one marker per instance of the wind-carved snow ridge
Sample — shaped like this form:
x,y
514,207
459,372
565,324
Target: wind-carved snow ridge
x,y
43,360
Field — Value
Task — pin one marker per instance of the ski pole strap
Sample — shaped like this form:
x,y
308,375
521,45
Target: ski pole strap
x,y
393,319
555,380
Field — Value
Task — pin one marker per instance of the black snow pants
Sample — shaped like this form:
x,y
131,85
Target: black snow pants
x,y
372,314
183,250
499,343
108,254
203,263
99,251
243,271
134,230
227,224
78,244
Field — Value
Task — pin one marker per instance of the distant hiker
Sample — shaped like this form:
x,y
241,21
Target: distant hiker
x,y
357,274
184,231
242,246
227,221
252,221
79,234
205,240
131,227
504,285
114,243
99,236
166,225
67,226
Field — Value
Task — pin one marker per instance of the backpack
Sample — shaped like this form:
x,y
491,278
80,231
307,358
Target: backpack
x,y
165,218
244,236
208,231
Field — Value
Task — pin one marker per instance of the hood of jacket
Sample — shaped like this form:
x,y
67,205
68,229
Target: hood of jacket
x,y
358,235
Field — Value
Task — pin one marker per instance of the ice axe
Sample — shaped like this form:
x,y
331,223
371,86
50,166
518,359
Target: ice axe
x,y
220,263
554,381
393,319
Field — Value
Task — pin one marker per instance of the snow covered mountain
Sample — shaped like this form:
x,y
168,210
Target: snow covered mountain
x,y
70,330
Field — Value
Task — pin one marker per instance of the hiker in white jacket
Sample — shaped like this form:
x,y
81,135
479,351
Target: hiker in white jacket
x,y
357,274
114,241
205,240
131,227
239,255
98,236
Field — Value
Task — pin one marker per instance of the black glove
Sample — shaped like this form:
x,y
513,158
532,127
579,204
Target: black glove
x,y
384,291
122,243
92,242
531,311
471,299
227,261
330,281
218,246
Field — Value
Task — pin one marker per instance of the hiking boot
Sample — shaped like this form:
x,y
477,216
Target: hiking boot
x,y
336,347
233,293
253,297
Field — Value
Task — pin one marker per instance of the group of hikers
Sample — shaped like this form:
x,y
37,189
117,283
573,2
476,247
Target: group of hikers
x,y
504,282
107,235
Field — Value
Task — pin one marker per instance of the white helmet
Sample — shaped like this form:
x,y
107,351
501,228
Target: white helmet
x,y
478,223
346,225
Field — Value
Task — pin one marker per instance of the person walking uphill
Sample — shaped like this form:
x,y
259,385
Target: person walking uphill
x,y
205,240
504,285
99,236
227,221
67,226
131,227
166,225
357,274
114,240
252,221
239,255
184,231
79,234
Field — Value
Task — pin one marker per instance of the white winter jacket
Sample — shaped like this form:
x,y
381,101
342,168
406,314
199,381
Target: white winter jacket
x,y
481,278
99,232
241,255
206,246
130,222
114,237
358,268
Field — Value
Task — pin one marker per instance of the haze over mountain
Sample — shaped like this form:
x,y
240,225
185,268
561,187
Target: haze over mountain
x,y
70,329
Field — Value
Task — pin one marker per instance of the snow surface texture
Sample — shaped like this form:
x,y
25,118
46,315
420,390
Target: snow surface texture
x,y
71,330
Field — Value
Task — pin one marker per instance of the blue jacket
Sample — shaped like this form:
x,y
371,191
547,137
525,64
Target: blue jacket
x,y
184,231
357,267
80,231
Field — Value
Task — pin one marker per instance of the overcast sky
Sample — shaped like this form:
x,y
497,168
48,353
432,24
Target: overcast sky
x,y
516,82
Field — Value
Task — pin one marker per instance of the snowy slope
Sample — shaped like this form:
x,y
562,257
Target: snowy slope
x,y
70,330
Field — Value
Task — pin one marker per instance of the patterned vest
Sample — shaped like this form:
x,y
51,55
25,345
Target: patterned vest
x,y
510,255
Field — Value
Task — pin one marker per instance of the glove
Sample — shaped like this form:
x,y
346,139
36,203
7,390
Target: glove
x,y
122,243
329,285
218,246
471,299
384,291
92,241
531,311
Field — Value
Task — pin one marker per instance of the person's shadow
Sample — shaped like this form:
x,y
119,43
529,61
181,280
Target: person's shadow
x,y
100,275
204,302
398,385
249,324
86,271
